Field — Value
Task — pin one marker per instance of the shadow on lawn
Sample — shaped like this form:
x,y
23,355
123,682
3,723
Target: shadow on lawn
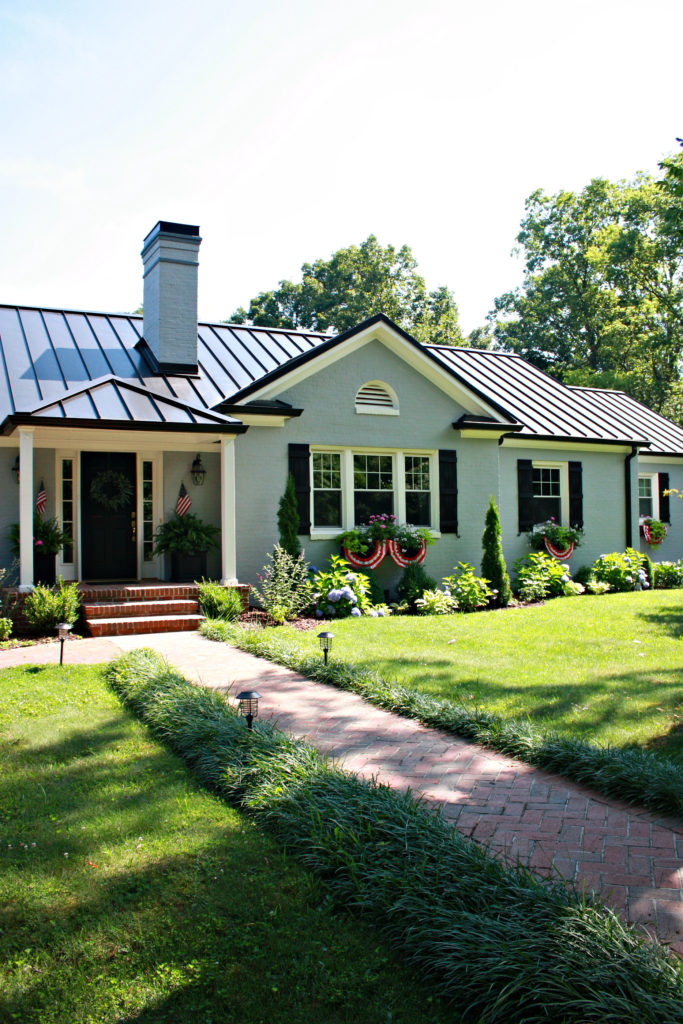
x,y
669,620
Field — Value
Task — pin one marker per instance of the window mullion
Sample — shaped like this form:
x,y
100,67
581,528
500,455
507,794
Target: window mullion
x,y
400,486
347,489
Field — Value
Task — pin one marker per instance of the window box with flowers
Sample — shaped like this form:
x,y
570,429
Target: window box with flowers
x,y
558,541
368,544
653,530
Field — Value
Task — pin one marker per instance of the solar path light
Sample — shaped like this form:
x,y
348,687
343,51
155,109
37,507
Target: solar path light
x,y
248,705
325,641
63,630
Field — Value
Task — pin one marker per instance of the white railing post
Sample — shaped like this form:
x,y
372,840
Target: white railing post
x,y
26,508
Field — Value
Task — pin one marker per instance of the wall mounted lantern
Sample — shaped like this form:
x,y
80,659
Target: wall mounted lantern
x,y
249,705
325,641
198,472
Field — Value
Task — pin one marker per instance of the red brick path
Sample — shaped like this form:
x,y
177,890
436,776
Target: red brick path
x,y
633,858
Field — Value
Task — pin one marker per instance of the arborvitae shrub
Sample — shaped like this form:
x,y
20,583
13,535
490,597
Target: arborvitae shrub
x,y
493,564
288,520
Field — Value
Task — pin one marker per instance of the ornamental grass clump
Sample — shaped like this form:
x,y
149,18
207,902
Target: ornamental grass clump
x,y
632,775
219,602
510,947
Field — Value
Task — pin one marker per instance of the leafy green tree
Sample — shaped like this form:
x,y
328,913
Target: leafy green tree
x,y
602,298
672,185
288,520
352,285
493,563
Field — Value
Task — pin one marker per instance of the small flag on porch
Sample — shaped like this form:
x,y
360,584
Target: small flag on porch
x,y
41,499
182,505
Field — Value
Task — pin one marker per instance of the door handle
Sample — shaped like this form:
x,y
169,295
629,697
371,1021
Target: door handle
x,y
133,526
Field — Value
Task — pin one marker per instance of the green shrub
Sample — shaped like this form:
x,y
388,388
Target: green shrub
x,y
622,570
219,602
507,945
413,583
45,607
288,520
594,586
467,590
493,566
538,576
669,575
285,586
436,602
583,574
5,629
375,589
341,592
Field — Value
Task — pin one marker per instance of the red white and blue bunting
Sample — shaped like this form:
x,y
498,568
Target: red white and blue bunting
x,y
401,558
383,548
561,554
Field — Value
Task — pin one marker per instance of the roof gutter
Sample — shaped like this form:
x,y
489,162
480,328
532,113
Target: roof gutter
x,y
19,419
570,439
628,518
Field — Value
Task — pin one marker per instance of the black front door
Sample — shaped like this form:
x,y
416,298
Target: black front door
x,y
108,516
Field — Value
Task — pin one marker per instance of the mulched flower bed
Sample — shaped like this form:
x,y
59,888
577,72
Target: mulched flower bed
x,y
256,619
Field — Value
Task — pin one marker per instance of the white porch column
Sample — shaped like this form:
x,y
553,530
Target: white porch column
x,y
26,508
228,514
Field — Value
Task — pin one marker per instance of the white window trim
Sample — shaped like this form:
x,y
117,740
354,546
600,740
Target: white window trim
x,y
69,570
398,457
564,486
654,477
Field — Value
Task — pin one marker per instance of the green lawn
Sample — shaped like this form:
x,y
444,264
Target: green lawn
x,y
606,668
128,894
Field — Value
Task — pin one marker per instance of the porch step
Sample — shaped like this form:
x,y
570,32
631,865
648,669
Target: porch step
x,y
115,592
137,609
146,624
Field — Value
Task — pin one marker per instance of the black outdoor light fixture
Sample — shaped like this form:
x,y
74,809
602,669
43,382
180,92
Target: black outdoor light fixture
x,y
198,472
15,470
325,641
249,705
63,630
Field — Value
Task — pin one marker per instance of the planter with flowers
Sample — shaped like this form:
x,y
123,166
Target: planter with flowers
x,y
654,531
368,545
48,538
558,541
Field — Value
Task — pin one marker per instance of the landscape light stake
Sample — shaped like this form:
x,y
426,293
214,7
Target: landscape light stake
x,y
325,641
63,630
249,705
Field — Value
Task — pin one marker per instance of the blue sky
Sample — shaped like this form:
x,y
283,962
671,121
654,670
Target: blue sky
x,y
287,131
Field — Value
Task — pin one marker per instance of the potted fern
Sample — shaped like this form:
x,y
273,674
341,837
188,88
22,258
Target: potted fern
x,y
48,539
187,539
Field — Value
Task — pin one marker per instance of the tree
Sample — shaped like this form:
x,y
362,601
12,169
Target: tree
x,y
602,298
672,186
288,520
493,563
354,284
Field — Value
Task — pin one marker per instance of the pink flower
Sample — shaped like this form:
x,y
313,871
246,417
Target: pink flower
x,y
38,543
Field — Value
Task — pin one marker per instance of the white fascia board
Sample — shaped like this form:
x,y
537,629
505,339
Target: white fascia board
x,y
673,461
484,435
92,439
565,446
253,419
424,365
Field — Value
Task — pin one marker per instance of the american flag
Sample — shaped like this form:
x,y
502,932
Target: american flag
x,y
41,499
182,505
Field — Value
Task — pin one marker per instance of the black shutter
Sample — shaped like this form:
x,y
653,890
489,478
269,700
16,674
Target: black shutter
x,y
448,491
664,509
525,494
576,495
299,467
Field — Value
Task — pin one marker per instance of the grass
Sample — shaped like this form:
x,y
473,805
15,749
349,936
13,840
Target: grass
x,y
128,894
605,669
513,949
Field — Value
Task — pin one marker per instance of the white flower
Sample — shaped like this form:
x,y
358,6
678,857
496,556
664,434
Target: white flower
x,y
380,613
355,612
372,613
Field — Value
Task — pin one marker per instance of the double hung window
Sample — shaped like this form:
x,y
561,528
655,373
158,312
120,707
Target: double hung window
x,y
547,493
648,496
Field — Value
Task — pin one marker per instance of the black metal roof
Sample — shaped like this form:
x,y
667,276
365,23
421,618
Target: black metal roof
x,y
95,368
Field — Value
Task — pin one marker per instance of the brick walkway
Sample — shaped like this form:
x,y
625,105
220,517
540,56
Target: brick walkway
x,y
633,858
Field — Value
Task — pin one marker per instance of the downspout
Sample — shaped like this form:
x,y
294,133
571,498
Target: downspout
x,y
627,496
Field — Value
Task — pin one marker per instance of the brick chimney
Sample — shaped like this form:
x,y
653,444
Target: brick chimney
x,y
169,257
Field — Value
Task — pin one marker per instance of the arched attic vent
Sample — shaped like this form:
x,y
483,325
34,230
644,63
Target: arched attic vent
x,y
376,397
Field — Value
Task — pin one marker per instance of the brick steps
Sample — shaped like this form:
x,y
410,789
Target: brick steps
x,y
143,624
114,609
138,609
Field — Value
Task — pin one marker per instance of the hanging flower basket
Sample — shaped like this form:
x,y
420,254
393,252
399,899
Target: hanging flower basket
x,y
400,556
561,554
370,560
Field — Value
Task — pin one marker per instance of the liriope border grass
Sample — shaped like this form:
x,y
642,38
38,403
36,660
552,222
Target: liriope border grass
x,y
508,946
632,775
